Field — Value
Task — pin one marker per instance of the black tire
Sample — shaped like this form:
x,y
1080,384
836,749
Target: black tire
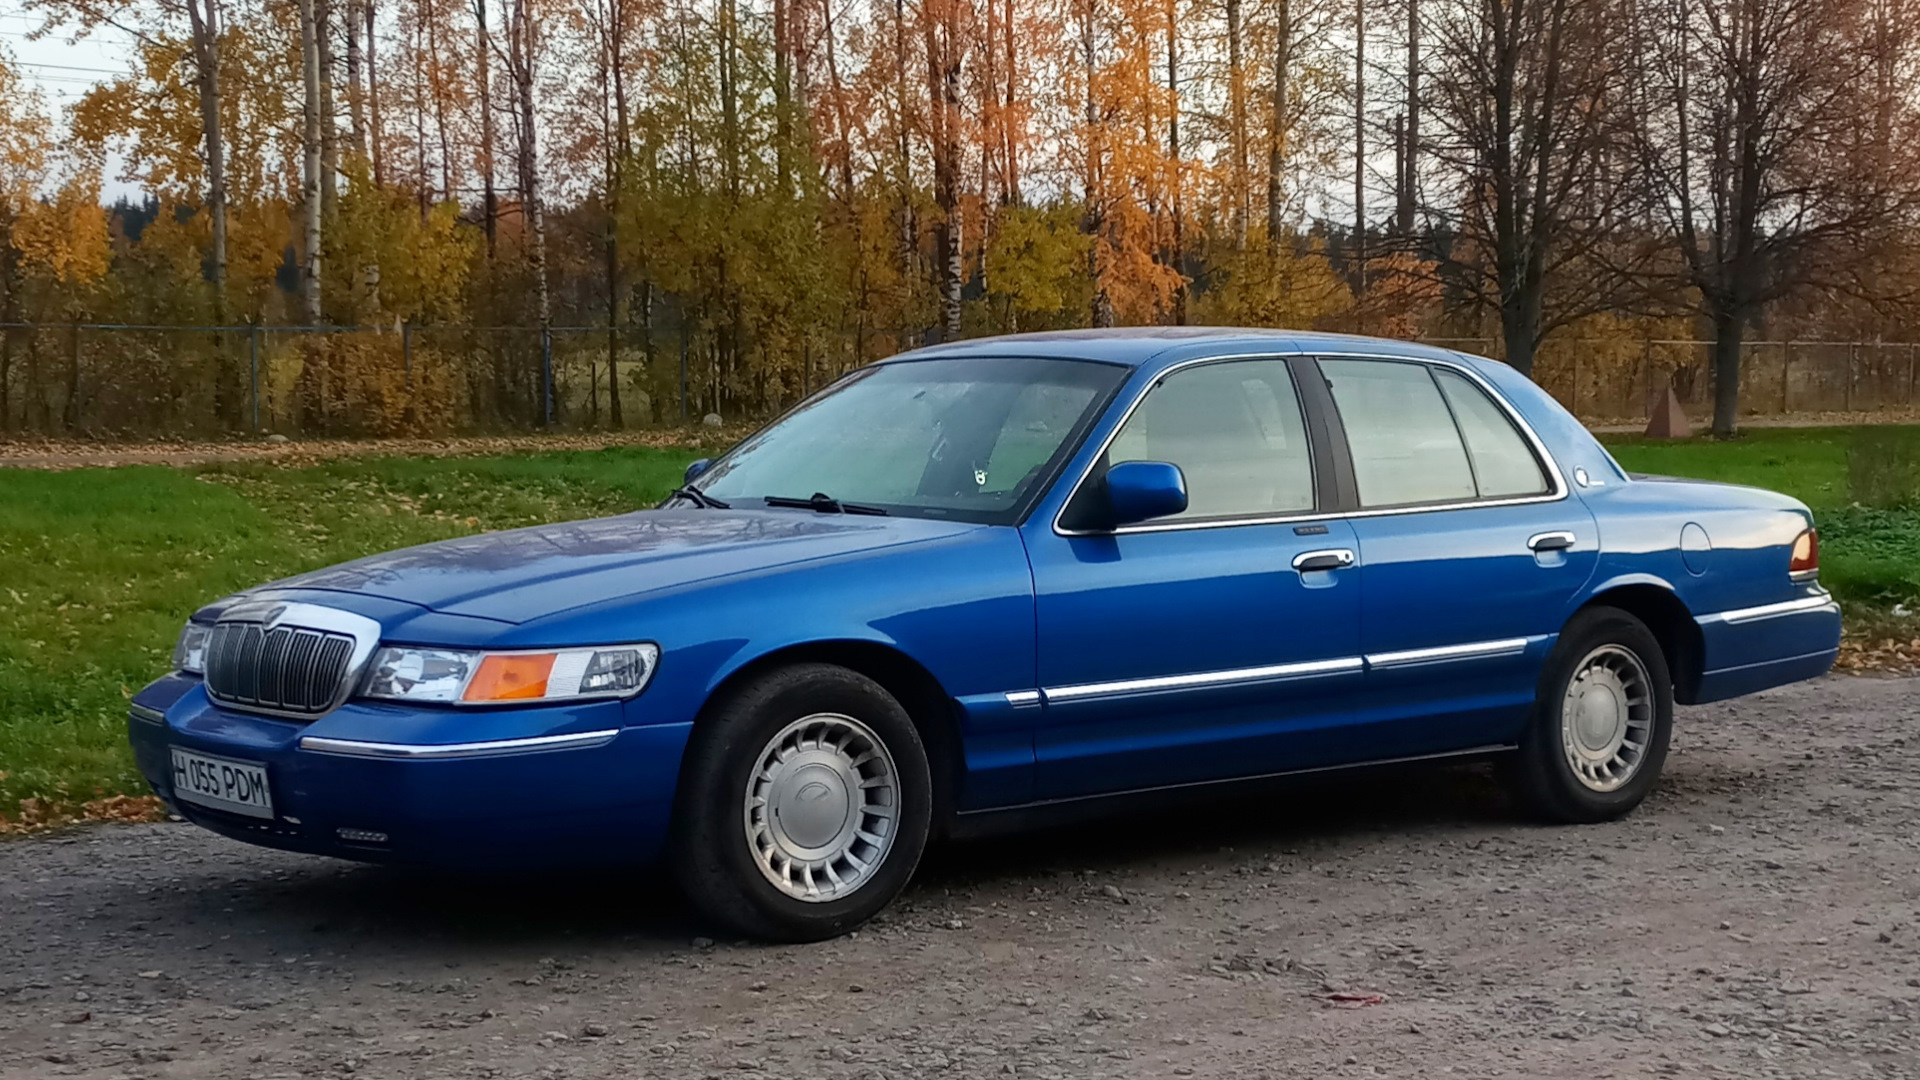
x,y
715,862
1541,775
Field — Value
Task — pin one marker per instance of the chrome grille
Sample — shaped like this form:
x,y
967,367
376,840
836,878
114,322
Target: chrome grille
x,y
286,669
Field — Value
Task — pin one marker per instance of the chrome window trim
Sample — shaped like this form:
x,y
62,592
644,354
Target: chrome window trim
x,y
584,740
1305,669
1770,611
1559,488
1476,650
270,612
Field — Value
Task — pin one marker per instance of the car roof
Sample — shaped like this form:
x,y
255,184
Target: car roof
x,y
1138,346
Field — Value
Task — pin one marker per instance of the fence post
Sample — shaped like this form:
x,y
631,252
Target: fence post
x,y
1786,374
683,370
1849,389
1910,354
406,351
1646,379
253,374
546,375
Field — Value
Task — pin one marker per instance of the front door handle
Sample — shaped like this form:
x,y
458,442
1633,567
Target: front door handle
x,y
1326,559
1550,541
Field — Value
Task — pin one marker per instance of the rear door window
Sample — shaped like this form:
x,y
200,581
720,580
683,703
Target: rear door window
x,y
1405,446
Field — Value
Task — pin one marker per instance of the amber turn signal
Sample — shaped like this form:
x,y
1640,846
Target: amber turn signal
x,y
510,677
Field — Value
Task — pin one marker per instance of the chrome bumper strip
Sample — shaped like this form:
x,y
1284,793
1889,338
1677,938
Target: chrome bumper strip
x,y
1769,611
442,751
1476,650
1204,679
151,716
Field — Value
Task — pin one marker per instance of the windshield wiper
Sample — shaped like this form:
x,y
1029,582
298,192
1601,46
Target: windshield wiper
x,y
698,498
825,504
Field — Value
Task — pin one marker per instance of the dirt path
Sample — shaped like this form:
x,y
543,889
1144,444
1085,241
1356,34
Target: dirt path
x,y
1760,917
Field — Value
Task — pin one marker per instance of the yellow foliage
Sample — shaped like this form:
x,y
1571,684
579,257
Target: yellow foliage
x,y
1291,290
66,234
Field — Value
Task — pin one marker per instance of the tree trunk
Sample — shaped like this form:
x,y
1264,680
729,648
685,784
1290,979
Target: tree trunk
x,y
310,161
204,17
490,198
323,12
356,20
1177,256
782,100
1729,330
1410,129
525,46
1277,137
1237,117
1101,313
1359,146
373,100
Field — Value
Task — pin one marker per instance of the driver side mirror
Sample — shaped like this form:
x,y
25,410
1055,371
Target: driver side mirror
x,y
694,470
1141,490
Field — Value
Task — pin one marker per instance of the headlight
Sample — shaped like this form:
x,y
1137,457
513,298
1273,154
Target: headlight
x,y
457,676
190,652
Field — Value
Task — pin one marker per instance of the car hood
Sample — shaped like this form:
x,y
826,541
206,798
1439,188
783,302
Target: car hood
x,y
524,574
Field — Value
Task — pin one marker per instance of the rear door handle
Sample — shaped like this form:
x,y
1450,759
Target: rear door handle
x,y
1325,559
1550,541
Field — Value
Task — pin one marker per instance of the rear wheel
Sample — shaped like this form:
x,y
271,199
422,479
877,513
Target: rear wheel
x,y
804,804
1597,739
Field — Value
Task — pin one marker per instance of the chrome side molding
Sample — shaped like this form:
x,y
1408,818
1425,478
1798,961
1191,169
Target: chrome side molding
x,y
1769,611
1477,650
1204,679
584,740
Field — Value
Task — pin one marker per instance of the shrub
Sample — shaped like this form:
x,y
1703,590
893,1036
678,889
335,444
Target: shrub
x,y
1883,468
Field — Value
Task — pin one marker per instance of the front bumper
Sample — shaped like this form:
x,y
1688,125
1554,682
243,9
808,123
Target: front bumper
x,y
495,789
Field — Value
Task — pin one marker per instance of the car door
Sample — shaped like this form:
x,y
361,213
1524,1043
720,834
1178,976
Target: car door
x,y
1471,549
1217,642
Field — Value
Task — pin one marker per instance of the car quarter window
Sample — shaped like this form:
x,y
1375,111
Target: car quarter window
x,y
1236,431
1419,434
1503,465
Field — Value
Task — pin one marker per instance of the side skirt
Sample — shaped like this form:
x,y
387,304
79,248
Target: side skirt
x,y
1047,813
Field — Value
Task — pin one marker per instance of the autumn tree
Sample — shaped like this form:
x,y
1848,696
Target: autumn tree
x,y
1523,104
1766,134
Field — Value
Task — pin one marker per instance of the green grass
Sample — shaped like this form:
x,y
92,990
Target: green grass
x,y
1869,555
99,567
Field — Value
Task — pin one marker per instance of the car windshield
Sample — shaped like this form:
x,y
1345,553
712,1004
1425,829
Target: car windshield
x,y
967,439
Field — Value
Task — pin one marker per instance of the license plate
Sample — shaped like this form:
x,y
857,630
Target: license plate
x,y
238,787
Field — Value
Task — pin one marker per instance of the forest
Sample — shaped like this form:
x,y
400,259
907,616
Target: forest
x,y
386,216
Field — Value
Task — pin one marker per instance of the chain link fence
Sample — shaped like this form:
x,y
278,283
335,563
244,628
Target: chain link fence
x,y
176,381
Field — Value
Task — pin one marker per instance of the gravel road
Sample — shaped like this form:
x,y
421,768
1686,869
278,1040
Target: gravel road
x,y
1759,917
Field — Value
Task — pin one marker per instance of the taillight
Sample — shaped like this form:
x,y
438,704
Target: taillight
x,y
1805,563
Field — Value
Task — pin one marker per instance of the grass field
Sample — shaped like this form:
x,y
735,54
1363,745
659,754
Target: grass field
x,y
99,567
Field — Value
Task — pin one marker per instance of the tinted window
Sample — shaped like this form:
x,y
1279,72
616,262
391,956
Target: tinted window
x,y
1503,464
1235,429
969,439
1400,432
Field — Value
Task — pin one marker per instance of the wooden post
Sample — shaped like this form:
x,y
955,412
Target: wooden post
x,y
253,372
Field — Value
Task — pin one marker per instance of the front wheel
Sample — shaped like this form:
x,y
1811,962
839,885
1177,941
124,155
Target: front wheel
x,y
804,804
1597,739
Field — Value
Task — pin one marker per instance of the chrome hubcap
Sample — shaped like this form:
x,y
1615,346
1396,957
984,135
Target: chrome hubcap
x,y
1606,720
821,807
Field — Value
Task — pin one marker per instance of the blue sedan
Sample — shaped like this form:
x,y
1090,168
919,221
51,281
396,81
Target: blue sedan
x,y
987,583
